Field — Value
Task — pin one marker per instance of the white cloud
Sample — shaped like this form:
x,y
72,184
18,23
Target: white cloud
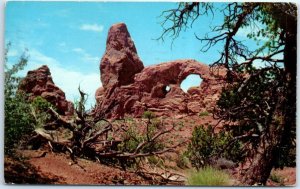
x,y
78,50
12,53
66,79
92,27
86,57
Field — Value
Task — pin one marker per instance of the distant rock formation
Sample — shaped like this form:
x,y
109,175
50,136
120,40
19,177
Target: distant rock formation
x,y
129,88
39,83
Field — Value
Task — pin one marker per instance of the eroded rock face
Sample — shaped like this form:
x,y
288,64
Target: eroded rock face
x,y
120,62
128,88
39,83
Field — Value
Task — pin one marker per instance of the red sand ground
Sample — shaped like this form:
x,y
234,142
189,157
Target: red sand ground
x,y
57,168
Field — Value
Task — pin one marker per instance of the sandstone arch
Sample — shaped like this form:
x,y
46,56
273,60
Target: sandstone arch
x,y
129,88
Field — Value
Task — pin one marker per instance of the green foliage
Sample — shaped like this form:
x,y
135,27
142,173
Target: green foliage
x,y
18,119
259,105
39,107
134,136
139,135
148,115
276,178
208,176
41,104
11,79
204,113
205,144
131,139
155,161
182,161
253,97
18,122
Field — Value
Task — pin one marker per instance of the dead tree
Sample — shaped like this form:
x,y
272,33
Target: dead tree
x,y
90,140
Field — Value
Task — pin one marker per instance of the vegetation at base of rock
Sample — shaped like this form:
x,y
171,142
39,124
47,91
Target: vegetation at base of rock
x,y
121,143
39,82
39,110
144,136
21,116
204,113
18,119
156,161
207,145
132,137
148,115
182,161
18,122
81,134
208,176
40,104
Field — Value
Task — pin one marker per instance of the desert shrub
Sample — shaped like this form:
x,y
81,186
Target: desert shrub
x,y
182,161
148,115
41,104
208,176
134,136
204,113
205,144
18,121
39,110
131,139
180,125
138,132
155,161
276,178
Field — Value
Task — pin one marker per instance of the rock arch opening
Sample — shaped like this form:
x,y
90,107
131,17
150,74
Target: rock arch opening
x,y
192,80
167,88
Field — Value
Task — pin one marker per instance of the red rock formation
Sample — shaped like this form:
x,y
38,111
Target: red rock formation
x,y
120,62
130,89
39,83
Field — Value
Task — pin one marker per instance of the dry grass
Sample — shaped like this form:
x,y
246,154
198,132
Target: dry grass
x,y
208,176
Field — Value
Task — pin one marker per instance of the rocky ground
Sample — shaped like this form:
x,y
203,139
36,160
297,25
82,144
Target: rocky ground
x,y
35,166
59,169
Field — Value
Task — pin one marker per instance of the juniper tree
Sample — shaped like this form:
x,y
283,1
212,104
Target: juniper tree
x,y
261,102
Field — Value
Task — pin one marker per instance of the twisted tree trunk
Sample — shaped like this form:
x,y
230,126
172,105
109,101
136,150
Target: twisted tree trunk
x,y
265,158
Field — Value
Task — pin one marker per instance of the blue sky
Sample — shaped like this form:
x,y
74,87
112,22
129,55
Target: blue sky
x,y
70,38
